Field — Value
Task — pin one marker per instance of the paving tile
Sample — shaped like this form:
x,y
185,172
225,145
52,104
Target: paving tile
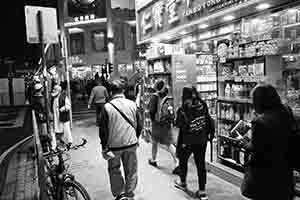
x,y
91,170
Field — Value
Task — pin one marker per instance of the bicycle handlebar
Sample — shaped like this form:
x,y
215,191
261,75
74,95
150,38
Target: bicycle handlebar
x,y
61,151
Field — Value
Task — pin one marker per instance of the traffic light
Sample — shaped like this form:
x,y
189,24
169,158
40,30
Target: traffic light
x,y
103,70
110,68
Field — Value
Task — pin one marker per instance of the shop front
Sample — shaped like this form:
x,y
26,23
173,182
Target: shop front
x,y
236,44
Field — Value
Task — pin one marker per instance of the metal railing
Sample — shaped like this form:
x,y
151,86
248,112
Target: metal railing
x,y
41,188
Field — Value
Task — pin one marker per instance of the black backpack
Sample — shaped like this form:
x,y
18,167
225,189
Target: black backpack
x,y
197,119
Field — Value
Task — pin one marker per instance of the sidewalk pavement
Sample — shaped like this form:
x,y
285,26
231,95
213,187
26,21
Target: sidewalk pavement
x,y
20,181
90,169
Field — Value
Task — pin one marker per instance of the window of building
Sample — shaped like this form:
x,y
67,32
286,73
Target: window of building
x,y
119,36
99,40
77,43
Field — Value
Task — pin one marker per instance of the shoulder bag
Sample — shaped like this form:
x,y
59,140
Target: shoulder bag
x,y
123,115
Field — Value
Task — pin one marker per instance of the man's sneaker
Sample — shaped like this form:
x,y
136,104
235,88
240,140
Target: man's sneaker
x,y
153,163
202,195
121,197
176,171
180,185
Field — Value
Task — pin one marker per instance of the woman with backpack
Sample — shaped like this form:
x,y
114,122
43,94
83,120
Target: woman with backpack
x,y
159,109
195,129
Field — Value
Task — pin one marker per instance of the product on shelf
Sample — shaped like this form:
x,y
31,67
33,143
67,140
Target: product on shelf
x,y
253,49
227,90
240,129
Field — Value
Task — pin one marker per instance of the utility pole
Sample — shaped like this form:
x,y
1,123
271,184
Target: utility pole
x,y
110,36
62,6
45,73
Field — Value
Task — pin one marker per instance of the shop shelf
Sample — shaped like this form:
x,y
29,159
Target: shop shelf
x,y
206,82
231,161
228,137
225,78
159,73
227,120
160,58
246,58
235,100
254,41
247,79
207,91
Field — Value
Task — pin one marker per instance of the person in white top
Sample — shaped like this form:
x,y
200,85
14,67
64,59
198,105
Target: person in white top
x,y
61,107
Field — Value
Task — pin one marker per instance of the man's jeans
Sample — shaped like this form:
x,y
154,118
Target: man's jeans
x,y
128,157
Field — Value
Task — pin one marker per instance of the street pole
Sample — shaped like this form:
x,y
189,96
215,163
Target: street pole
x,y
10,83
62,12
41,39
110,36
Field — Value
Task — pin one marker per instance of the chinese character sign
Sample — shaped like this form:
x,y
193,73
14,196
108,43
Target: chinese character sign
x,y
172,7
158,11
146,22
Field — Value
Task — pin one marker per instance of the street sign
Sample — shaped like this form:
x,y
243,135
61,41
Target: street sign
x,y
49,24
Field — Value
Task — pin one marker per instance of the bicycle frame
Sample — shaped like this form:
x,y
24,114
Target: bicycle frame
x,y
58,173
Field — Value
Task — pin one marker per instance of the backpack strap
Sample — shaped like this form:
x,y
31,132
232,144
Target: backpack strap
x,y
166,98
123,115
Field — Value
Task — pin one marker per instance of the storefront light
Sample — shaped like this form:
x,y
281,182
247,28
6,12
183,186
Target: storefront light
x,y
92,16
203,26
263,6
155,40
76,19
168,37
183,32
292,10
275,15
228,18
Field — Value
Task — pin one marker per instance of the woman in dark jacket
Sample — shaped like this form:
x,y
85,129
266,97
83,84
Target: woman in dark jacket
x,y
271,130
193,141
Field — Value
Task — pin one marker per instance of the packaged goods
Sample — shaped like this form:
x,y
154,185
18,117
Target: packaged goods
x,y
243,70
227,90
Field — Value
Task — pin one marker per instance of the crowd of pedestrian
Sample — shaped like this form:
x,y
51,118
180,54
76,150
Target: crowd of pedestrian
x,y
120,127
58,129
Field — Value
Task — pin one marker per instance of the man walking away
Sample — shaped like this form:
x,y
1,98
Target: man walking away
x,y
120,129
99,96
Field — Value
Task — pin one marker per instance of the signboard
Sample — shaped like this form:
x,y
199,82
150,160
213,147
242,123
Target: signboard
x,y
164,15
139,4
49,24
160,49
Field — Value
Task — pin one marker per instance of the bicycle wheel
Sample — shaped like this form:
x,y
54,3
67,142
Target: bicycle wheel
x,y
75,191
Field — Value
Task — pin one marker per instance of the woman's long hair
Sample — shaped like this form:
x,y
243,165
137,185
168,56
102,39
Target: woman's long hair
x,y
187,94
265,97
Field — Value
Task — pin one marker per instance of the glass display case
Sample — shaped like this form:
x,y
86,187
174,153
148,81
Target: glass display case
x,y
291,94
207,79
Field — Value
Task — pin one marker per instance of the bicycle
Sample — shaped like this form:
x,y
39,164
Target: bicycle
x,y
61,185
